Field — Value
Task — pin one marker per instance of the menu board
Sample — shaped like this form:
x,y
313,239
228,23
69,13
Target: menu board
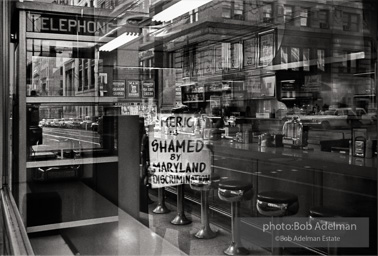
x,y
266,48
268,86
250,47
133,89
148,89
118,88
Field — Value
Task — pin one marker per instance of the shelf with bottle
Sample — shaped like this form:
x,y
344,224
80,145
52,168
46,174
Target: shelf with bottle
x,y
192,93
218,87
193,98
219,90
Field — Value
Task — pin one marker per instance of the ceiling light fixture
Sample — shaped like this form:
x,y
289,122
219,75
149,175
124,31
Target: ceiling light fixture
x,y
119,41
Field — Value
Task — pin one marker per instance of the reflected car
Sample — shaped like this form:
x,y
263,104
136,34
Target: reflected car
x,y
42,123
48,122
69,123
73,123
76,123
94,126
62,123
338,118
87,122
54,123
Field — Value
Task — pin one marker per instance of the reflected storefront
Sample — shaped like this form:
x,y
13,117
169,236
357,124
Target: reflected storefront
x,y
164,127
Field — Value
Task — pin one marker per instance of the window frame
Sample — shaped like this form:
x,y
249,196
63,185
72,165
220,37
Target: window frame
x,y
288,18
267,17
307,18
324,24
228,12
347,26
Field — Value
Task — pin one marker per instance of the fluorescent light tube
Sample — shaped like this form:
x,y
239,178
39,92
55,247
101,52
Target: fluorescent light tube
x,y
178,9
119,41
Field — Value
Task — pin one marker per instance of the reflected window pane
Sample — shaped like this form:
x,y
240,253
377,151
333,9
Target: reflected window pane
x,y
63,68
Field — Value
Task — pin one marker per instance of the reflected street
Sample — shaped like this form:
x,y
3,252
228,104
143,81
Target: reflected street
x,y
60,138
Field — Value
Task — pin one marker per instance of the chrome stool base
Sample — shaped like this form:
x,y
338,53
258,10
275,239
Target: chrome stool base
x,y
235,191
206,233
234,249
180,219
161,209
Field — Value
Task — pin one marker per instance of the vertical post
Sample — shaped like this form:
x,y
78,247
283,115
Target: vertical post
x,y
19,116
204,209
129,143
276,248
234,223
180,218
3,84
235,247
161,208
205,232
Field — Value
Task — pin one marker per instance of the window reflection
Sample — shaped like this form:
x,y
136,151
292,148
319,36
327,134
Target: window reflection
x,y
61,132
291,79
64,68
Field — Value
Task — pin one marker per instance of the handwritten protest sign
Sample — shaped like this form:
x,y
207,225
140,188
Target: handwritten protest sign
x,y
174,159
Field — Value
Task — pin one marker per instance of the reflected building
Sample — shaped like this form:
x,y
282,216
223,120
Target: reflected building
x,y
108,99
276,56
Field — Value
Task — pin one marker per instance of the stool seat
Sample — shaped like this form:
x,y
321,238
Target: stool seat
x,y
235,190
235,185
330,212
277,197
320,214
277,203
198,182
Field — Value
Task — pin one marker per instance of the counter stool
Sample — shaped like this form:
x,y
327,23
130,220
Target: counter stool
x,y
204,185
276,204
234,191
161,208
180,218
321,213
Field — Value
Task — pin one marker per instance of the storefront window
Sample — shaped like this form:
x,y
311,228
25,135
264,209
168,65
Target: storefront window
x,y
196,107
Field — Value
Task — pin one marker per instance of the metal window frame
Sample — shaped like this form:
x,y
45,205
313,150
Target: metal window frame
x,y
15,231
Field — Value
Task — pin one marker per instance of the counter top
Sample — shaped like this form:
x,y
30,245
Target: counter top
x,y
309,159
325,161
